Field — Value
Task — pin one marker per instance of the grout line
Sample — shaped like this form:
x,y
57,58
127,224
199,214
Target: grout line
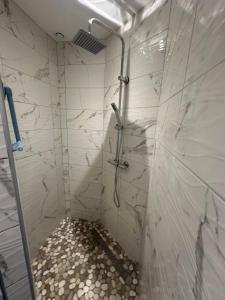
x,y
192,172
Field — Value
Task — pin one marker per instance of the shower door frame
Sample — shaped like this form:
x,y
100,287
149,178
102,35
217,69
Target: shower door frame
x,y
10,157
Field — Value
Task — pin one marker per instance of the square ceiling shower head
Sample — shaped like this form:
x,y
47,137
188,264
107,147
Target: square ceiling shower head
x,y
87,41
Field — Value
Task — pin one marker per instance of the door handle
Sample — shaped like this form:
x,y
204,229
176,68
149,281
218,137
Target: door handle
x,y
16,145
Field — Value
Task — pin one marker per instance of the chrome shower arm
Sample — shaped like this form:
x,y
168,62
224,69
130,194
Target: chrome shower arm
x,y
107,28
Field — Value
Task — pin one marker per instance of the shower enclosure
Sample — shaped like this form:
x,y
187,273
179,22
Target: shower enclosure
x,y
120,178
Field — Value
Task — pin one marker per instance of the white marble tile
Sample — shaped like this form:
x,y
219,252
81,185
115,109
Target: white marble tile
x,y
75,55
17,55
178,42
85,119
85,76
148,57
112,71
8,212
185,230
53,74
132,212
19,290
136,174
193,130
32,117
85,190
86,139
86,214
114,47
44,202
111,94
139,149
13,265
3,150
56,96
109,142
153,20
85,173
34,142
141,122
85,157
26,89
61,76
61,53
85,98
207,47
144,91
52,50
18,24
129,238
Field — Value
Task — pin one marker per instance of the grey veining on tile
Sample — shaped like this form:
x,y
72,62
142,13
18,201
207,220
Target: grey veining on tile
x,y
19,290
8,210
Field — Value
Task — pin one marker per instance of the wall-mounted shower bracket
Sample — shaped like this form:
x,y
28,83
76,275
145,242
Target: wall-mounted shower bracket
x,y
120,164
124,79
118,127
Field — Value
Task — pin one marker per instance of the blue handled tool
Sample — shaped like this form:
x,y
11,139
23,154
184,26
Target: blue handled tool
x,y
16,145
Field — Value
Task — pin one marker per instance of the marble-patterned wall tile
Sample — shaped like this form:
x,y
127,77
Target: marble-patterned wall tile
x,y
52,50
144,91
185,226
139,149
84,98
148,56
192,128
87,139
84,76
35,142
111,94
178,43
17,55
153,20
18,24
85,173
85,157
85,119
13,265
19,290
207,46
32,117
26,89
141,122
75,55
8,211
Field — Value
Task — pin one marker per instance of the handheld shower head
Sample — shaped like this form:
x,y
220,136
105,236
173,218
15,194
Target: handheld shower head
x,y
116,110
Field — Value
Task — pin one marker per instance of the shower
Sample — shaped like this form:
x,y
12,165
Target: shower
x,y
89,42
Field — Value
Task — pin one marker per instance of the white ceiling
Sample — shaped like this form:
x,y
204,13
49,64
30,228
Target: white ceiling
x,y
65,16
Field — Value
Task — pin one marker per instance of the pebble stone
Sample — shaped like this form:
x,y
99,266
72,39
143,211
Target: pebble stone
x,y
71,265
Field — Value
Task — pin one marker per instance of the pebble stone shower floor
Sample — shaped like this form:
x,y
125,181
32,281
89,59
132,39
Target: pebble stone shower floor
x,y
72,265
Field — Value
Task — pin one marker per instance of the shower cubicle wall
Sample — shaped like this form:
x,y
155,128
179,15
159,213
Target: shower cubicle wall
x,y
15,270
28,64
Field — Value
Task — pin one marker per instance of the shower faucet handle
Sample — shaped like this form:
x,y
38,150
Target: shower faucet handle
x,y
124,79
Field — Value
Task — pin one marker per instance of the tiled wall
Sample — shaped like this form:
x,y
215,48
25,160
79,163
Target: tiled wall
x,y
144,60
29,66
184,230
81,88
13,266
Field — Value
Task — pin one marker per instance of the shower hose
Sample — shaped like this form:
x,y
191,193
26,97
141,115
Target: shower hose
x,y
116,198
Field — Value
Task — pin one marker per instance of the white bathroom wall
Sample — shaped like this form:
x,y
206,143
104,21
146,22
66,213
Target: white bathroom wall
x,y
81,89
184,230
13,265
29,66
144,60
